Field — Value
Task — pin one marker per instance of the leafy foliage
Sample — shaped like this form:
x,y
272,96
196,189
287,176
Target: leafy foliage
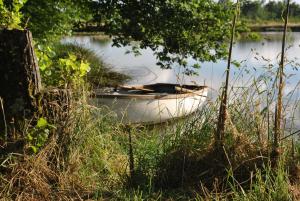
x,y
10,15
50,19
64,72
175,30
100,73
39,134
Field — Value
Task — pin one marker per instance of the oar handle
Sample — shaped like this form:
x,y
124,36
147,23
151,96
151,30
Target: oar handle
x,y
185,90
136,88
182,89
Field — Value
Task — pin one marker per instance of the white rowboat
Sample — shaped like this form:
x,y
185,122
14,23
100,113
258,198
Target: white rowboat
x,y
152,103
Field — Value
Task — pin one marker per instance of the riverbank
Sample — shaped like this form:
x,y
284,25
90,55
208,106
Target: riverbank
x,y
100,74
88,153
271,25
294,27
176,163
254,26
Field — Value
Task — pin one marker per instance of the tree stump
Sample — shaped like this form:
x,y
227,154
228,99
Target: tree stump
x,y
19,78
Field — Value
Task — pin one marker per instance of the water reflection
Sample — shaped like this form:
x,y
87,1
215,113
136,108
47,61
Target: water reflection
x,y
257,59
143,69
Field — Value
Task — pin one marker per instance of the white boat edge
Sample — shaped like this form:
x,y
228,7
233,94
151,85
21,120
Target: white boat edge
x,y
152,108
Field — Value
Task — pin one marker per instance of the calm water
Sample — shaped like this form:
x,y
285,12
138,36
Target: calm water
x,y
143,68
255,58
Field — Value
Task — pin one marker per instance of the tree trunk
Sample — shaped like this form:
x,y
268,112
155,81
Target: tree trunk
x,y
20,78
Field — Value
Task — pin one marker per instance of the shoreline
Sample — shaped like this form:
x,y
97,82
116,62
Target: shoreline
x,y
273,27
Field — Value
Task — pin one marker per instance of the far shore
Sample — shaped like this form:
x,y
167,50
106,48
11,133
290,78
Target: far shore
x,y
295,27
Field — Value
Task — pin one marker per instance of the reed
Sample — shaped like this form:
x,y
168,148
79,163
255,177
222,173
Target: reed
x,y
219,136
173,161
278,110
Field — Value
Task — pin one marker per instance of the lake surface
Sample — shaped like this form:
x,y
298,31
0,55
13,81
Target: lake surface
x,y
256,57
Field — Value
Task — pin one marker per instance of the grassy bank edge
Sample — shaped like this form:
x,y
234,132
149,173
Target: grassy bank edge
x,y
101,74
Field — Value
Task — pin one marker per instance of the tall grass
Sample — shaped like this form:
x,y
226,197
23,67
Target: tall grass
x,y
176,162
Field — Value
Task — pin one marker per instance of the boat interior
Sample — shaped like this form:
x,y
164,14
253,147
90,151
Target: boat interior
x,y
151,91
162,88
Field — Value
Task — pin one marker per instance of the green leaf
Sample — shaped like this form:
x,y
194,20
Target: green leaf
x,y
42,123
84,68
236,63
29,137
34,149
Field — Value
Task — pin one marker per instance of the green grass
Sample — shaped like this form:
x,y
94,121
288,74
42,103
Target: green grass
x,y
175,161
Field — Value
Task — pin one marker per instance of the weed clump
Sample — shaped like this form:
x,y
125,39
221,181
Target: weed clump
x,y
87,158
100,73
87,155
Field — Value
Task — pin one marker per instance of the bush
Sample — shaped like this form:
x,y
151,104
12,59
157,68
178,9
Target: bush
x,y
63,71
68,65
10,18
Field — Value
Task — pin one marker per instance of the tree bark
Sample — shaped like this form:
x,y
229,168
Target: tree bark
x,y
19,78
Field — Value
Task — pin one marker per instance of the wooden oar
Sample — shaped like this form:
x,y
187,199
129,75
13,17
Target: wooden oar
x,y
185,90
182,89
136,88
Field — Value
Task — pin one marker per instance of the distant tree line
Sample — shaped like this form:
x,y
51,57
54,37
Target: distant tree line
x,y
272,10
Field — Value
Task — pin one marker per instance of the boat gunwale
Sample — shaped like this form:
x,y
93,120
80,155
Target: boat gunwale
x,y
195,93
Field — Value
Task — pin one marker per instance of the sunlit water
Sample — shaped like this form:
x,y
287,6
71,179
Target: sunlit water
x,y
254,56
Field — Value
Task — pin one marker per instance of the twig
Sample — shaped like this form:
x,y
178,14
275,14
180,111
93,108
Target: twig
x,y
251,159
26,23
227,157
294,133
4,119
130,152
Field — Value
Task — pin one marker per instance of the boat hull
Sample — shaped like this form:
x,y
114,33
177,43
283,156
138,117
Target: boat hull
x,y
151,111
